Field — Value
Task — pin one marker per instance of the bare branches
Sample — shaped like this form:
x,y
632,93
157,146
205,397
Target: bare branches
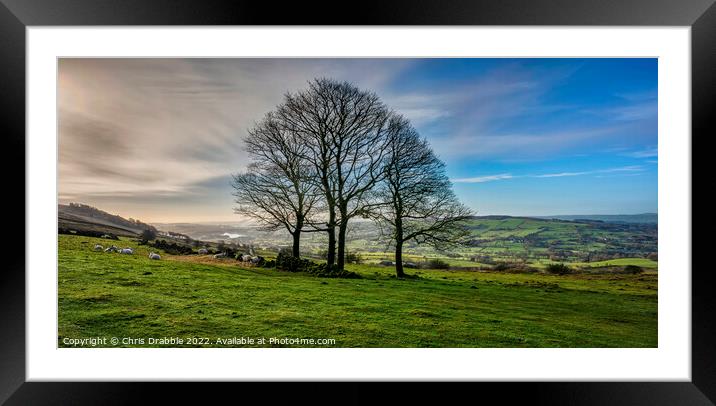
x,y
342,132
276,189
416,198
332,152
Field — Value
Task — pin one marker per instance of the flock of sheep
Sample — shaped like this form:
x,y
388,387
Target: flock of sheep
x,y
255,260
128,251
243,258
152,255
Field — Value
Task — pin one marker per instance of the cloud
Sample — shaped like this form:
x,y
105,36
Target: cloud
x,y
645,153
561,174
522,146
635,112
482,179
631,169
154,129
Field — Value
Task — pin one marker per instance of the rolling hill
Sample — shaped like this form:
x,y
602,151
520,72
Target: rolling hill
x,y
649,218
83,218
494,238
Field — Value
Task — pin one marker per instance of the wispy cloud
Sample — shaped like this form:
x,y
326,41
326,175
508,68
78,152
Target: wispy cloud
x,y
560,174
483,179
644,153
522,146
630,170
158,127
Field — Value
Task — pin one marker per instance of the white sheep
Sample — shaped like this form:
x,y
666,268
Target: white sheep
x,y
154,256
246,258
203,251
98,247
221,255
111,249
127,251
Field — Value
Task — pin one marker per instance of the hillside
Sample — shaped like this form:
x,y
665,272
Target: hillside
x,y
113,295
84,218
650,218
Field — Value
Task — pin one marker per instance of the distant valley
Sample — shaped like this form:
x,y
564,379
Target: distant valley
x,y
494,238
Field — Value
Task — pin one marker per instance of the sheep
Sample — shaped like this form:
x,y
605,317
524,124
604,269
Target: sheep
x,y
257,260
111,249
203,251
221,255
154,256
98,247
246,258
127,251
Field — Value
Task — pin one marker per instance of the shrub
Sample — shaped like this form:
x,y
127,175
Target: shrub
x,y
324,271
436,263
501,266
147,235
289,263
558,269
511,267
87,233
172,248
633,269
353,258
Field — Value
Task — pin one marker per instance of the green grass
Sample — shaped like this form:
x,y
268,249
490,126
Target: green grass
x,y
113,295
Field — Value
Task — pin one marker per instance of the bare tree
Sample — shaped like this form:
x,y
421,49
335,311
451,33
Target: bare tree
x,y
418,201
276,189
343,130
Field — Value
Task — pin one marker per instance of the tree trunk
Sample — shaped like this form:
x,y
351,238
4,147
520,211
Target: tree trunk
x,y
399,245
297,244
331,229
331,257
342,244
297,237
399,258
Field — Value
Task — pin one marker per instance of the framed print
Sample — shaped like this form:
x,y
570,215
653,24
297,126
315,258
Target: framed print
x,y
499,195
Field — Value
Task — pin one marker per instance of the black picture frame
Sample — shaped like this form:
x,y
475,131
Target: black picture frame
x,y
16,15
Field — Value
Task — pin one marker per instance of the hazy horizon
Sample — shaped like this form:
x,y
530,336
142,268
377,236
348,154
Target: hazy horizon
x,y
239,220
228,222
158,139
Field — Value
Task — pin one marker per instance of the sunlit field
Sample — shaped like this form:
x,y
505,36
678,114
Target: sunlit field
x,y
197,296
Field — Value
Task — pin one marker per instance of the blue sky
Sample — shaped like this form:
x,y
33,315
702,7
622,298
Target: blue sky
x,y
157,139
544,136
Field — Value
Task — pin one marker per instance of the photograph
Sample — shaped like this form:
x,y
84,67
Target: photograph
x,y
346,202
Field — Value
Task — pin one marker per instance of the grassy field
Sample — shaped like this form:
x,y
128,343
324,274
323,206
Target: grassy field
x,y
113,295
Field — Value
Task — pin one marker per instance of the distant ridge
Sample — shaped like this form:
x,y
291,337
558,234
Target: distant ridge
x,y
644,218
